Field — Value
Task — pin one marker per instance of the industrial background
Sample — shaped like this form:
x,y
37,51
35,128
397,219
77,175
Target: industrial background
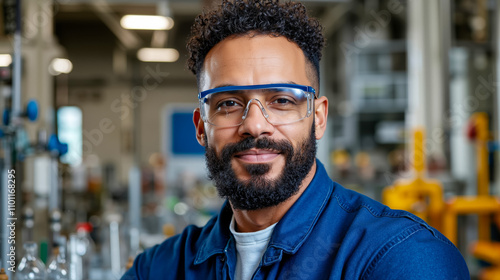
x,y
98,149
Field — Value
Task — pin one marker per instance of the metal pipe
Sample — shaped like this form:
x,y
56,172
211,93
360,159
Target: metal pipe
x,y
134,207
114,238
54,188
16,75
426,71
3,218
4,215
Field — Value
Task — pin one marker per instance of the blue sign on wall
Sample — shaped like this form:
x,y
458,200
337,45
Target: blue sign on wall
x,y
184,135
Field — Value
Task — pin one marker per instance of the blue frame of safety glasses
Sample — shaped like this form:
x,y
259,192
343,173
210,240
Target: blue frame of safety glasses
x,y
234,88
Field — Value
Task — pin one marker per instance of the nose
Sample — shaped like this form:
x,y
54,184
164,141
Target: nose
x,y
255,121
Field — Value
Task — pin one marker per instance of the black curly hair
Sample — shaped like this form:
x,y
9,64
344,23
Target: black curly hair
x,y
240,17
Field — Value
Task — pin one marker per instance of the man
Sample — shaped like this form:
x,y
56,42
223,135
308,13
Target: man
x,y
260,114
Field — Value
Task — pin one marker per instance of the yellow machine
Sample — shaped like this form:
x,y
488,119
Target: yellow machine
x,y
424,198
483,204
418,195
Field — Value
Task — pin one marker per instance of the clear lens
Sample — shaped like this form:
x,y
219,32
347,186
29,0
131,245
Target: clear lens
x,y
280,105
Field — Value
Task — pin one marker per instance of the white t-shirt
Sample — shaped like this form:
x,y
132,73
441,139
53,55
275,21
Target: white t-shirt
x,y
250,247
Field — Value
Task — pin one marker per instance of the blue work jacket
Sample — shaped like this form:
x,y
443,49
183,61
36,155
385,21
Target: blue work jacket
x,y
329,233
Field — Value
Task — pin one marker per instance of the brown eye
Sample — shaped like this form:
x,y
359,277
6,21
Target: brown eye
x,y
227,104
283,101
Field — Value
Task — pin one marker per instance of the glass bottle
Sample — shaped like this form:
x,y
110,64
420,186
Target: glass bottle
x,y
57,268
30,267
85,247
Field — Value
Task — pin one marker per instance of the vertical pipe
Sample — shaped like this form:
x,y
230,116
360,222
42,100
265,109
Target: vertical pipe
x,y
437,70
482,131
135,198
75,264
3,219
54,192
4,250
16,110
134,207
54,199
16,75
446,31
114,238
483,176
426,72
417,79
419,152
450,225
416,56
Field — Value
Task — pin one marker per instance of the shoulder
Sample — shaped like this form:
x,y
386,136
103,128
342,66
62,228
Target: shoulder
x,y
417,253
361,208
395,244
169,257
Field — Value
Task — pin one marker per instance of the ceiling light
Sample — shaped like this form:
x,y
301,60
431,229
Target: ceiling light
x,y
158,55
5,60
146,22
60,66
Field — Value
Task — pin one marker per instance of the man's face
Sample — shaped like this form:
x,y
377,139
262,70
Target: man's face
x,y
268,148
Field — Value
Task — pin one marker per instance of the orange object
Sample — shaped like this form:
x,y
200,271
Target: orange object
x,y
3,276
130,263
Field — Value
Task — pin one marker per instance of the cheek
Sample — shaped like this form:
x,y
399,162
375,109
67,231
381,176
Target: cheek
x,y
295,134
218,138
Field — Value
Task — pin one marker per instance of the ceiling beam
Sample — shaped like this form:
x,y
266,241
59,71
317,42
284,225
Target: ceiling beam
x,y
129,39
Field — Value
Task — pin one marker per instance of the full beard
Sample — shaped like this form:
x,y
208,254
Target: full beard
x,y
258,191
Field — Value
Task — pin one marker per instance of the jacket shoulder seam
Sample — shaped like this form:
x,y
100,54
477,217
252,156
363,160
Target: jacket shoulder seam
x,y
395,241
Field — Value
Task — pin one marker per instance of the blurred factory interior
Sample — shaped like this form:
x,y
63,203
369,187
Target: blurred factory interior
x,y
97,122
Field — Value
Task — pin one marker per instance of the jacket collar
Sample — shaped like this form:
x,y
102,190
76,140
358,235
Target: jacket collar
x,y
290,232
216,240
296,225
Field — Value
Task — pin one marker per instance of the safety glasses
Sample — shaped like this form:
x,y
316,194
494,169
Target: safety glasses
x,y
279,103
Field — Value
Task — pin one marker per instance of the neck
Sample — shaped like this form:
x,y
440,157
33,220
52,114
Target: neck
x,y
255,220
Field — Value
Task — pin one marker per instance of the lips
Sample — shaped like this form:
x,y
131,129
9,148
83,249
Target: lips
x,y
257,155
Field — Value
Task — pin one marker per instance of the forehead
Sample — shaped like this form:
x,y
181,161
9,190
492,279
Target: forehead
x,y
253,60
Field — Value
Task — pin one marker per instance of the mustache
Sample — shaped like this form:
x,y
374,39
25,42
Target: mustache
x,y
281,146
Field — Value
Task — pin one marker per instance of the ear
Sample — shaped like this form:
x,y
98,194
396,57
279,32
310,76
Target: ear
x,y
320,116
199,124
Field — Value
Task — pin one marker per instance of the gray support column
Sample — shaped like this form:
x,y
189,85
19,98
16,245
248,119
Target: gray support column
x,y
39,48
426,90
